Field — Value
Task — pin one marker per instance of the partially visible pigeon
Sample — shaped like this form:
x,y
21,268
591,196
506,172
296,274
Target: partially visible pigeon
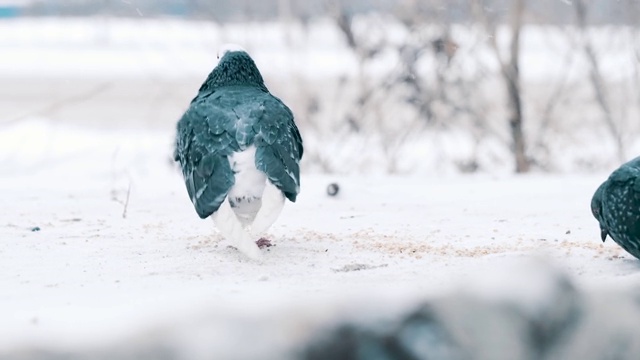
x,y
239,150
616,206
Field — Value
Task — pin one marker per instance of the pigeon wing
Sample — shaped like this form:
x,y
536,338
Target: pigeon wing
x,y
205,138
278,145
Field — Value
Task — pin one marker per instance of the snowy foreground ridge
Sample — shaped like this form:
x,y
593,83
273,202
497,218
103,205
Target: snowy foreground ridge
x,y
560,322
429,267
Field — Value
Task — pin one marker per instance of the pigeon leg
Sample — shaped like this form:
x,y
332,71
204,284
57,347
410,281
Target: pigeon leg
x,y
231,228
272,204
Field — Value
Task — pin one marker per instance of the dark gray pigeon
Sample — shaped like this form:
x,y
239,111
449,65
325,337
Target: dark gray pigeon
x,y
239,150
616,205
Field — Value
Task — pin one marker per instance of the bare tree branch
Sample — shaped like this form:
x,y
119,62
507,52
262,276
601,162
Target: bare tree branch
x,y
510,70
597,80
554,99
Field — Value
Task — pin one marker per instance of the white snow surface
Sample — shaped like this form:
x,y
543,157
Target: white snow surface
x,y
91,276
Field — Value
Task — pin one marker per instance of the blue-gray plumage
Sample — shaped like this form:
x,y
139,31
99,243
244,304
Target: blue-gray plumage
x,y
234,143
616,206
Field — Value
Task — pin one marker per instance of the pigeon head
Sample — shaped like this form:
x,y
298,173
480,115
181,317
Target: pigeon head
x,y
235,68
596,210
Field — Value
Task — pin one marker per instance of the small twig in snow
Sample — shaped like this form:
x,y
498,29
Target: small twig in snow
x,y
126,202
358,267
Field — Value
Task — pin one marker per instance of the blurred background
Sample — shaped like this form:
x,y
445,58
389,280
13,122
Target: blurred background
x,y
377,87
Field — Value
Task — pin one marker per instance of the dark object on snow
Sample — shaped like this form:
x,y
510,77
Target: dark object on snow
x,y
616,206
239,150
35,228
264,243
333,189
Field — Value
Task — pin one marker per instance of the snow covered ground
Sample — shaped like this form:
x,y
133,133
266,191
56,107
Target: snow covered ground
x,y
75,272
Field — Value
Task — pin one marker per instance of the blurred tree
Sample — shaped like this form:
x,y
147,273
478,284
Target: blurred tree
x,y
597,80
510,70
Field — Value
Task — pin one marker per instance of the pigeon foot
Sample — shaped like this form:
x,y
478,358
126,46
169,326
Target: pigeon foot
x,y
264,243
